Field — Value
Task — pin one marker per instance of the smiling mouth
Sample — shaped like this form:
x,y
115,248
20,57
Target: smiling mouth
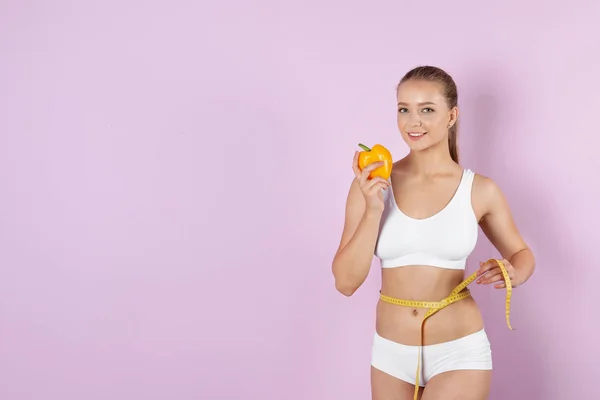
x,y
416,134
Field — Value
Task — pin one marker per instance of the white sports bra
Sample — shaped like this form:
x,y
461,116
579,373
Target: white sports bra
x,y
443,240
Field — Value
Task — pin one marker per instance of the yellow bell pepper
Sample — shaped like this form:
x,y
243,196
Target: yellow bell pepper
x,y
375,154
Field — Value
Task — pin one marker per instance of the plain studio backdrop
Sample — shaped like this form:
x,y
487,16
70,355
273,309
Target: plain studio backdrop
x,y
173,178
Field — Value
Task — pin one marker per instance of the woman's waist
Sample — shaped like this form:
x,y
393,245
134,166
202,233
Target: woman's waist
x,y
395,308
403,323
420,283
408,293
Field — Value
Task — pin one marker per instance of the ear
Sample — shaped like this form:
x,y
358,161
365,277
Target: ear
x,y
453,116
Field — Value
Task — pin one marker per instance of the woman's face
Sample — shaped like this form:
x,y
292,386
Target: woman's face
x,y
423,115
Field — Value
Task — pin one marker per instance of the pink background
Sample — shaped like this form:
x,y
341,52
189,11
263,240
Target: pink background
x,y
173,178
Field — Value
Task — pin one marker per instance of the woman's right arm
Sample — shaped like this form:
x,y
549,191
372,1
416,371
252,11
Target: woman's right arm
x,y
364,207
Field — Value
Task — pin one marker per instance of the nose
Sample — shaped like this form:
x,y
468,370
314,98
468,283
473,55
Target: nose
x,y
414,119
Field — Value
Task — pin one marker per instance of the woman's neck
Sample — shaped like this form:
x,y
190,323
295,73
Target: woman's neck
x,y
431,161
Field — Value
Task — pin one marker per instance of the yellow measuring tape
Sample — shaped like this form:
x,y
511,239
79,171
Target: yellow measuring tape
x,y
460,292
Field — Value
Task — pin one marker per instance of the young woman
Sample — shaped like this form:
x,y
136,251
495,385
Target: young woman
x,y
422,224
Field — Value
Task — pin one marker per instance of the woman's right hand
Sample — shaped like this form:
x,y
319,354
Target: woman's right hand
x,y
371,188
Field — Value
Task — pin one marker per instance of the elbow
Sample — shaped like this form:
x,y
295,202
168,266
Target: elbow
x,y
344,284
345,288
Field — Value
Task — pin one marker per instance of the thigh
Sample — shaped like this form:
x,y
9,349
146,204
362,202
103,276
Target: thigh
x,y
387,387
461,384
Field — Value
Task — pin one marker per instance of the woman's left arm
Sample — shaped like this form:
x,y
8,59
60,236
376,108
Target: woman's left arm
x,y
499,227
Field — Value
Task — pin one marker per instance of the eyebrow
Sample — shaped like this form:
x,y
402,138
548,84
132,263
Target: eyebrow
x,y
426,103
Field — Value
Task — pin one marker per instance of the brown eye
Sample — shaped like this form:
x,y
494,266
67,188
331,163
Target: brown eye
x,y
402,110
428,110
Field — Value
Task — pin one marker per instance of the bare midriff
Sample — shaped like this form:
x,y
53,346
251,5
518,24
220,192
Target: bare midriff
x,y
424,283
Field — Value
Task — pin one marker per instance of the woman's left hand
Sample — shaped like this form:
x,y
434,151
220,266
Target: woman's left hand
x,y
490,272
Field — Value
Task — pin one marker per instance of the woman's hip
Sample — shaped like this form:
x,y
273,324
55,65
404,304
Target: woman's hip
x,y
407,362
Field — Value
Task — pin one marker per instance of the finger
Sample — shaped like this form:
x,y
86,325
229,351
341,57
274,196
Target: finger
x,y
507,265
489,274
485,266
493,279
502,285
488,265
374,165
492,272
510,270
375,180
378,188
355,166
377,184
367,170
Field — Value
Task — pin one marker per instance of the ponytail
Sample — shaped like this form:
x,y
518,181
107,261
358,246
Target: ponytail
x,y
453,142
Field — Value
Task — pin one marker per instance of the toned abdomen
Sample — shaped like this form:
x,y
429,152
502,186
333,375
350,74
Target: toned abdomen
x,y
424,283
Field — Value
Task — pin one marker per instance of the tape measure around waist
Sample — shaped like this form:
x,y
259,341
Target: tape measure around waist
x,y
460,292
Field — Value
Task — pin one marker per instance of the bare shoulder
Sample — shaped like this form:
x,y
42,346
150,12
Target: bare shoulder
x,y
486,195
495,217
485,187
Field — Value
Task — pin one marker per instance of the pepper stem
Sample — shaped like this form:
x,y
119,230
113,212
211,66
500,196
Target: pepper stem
x,y
362,146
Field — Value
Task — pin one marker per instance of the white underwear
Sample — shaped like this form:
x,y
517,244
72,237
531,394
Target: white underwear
x,y
472,352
